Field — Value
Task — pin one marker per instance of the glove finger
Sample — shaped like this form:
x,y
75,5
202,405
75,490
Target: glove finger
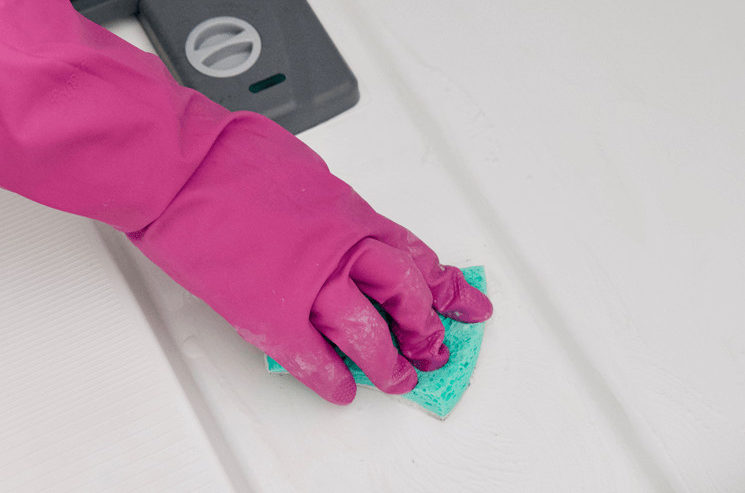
x,y
456,299
451,294
344,315
312,360
390,276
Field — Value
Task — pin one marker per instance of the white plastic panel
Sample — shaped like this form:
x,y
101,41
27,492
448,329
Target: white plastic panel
x,y
89,401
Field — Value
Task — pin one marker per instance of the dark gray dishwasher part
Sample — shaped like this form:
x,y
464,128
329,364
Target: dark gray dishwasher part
x,y
101,11
269,56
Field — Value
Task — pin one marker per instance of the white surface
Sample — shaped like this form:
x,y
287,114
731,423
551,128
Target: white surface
x,y
591,156
89,401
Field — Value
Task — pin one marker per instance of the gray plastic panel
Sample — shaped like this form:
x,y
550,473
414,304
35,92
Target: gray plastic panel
x,y
288,69
299,79
101,11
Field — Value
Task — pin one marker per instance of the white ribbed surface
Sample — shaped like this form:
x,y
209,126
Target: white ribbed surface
x,y
88,399
590,155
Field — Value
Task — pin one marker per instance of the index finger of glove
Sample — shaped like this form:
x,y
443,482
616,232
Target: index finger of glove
x,y
309,357
390,276
344,315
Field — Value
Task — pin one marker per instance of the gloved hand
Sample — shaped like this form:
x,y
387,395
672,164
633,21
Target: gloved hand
x,y
284,251
230,205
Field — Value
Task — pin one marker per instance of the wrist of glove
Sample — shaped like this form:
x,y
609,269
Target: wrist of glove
x,y
286,253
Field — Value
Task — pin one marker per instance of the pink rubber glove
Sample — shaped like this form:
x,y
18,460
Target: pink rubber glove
x,y
230,205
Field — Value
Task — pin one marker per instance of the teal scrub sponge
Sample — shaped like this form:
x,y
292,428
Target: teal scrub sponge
x,y
437,391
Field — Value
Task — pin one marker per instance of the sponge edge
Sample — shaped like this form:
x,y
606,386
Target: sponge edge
x,y
437,391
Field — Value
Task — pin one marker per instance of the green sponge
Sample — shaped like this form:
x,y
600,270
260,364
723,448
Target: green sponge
x,y
437,391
